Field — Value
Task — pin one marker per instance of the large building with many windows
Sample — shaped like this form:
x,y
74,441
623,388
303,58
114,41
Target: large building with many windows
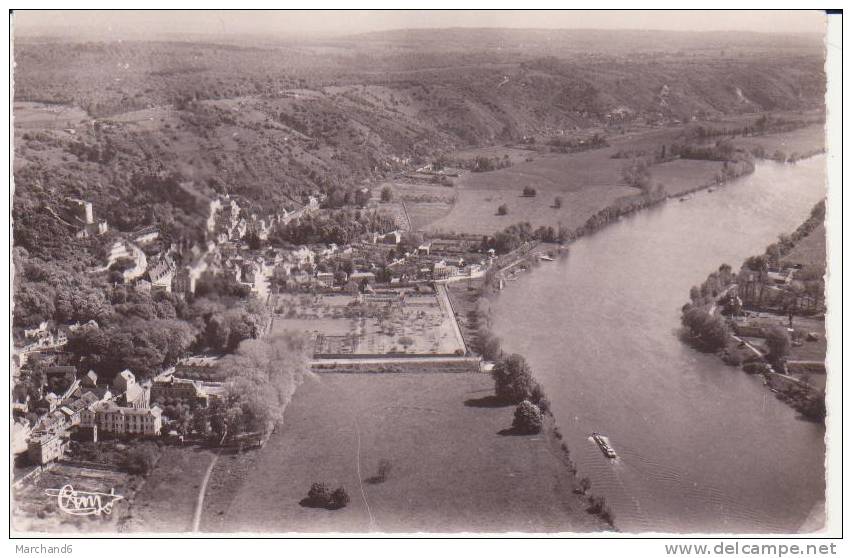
x,y
109,417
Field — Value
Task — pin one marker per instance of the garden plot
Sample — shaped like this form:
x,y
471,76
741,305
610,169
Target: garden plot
x,y
349,325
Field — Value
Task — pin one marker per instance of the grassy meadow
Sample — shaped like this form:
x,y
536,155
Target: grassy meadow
x,y
445,449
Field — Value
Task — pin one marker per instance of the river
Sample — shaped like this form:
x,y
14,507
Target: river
x,y
702,447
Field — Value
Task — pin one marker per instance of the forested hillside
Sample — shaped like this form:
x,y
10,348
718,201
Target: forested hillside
x,y
127,122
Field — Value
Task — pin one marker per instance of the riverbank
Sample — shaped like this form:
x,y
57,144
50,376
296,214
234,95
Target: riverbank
x,y
598,329
771,314
472,304
607,291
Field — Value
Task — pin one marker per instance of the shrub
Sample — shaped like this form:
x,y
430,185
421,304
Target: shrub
x,y
527,418
384,470
529,192
778,342
708,331
319,495
637,174
387,194
141,459
732,359
503,210
598,506
557,202
339,499
539,398
755,368
489,345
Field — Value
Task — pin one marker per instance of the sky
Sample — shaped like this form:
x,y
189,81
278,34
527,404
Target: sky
x,y
300,23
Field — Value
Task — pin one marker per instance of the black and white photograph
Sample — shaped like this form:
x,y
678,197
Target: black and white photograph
x,y
424,272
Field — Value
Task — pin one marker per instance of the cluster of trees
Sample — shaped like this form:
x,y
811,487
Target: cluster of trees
x,y
262,376
777,250
508,239
220,286
334,227
141,458
514,382
182,414
805,294
573,145
486,164
320,496
143,346
628,154
144,332
809,402
613,212
761,125
738,161
225,328
712,287
734,169
707,331
637,173
47,290
514,236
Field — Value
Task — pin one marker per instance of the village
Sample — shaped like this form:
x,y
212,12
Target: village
x,y
378,303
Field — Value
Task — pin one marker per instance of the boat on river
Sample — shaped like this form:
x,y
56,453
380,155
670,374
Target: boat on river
x,y
603,443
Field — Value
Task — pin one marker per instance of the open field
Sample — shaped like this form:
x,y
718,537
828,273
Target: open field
x,y
424,203
41,116
166,502
421,324
587,182
810,350
683,175
451,469
809,251
421,214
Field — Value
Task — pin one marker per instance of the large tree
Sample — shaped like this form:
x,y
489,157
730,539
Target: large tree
x,y
778,343
513,381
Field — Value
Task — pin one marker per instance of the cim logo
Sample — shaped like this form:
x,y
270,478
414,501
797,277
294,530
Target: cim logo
x,y
75,502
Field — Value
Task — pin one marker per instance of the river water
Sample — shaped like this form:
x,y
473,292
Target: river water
x,y
702,447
